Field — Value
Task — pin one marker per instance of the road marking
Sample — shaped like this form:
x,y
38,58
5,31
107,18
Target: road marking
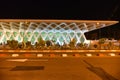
x,y
37,60
64,55
39,55
88,54
17,60
15,55
24,60
112,54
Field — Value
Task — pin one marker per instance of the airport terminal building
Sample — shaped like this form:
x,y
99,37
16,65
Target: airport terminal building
x,y
59,31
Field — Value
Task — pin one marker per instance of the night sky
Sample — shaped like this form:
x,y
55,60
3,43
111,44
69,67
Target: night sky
x,y
66,9
60,9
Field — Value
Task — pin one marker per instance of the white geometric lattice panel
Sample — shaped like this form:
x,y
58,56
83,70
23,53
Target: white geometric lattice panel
x,y
58,31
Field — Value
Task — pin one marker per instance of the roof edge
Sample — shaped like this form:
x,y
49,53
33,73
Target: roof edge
x,y
56,20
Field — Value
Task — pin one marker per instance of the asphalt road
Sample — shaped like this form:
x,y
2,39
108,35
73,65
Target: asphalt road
x,y
82,68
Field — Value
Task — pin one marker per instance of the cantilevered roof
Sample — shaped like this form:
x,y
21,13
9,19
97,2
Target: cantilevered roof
x,y
83,25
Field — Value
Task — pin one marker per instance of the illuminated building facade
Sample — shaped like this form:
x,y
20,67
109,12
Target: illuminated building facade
x,y
60,31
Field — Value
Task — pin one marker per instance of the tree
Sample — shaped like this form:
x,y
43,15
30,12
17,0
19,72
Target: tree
x,y
48,43
13,44
41,42
72,43
101,41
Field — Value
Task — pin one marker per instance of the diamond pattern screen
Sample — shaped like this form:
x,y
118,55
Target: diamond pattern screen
x,y
31,31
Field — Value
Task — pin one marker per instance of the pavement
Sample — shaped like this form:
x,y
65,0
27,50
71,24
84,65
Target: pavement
x,y
62,68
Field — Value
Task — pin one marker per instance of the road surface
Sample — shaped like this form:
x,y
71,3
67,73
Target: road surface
x,y
82,68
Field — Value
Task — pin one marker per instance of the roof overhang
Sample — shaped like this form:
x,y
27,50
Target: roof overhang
x,y
84,25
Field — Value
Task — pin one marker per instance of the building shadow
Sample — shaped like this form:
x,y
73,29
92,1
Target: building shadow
x,y
100,72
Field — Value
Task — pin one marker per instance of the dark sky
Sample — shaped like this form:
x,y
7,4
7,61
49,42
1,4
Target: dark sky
x,y
60,9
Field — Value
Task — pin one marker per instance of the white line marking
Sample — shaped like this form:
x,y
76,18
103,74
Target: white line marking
x,y
15,55
24,60
17,60
37,60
